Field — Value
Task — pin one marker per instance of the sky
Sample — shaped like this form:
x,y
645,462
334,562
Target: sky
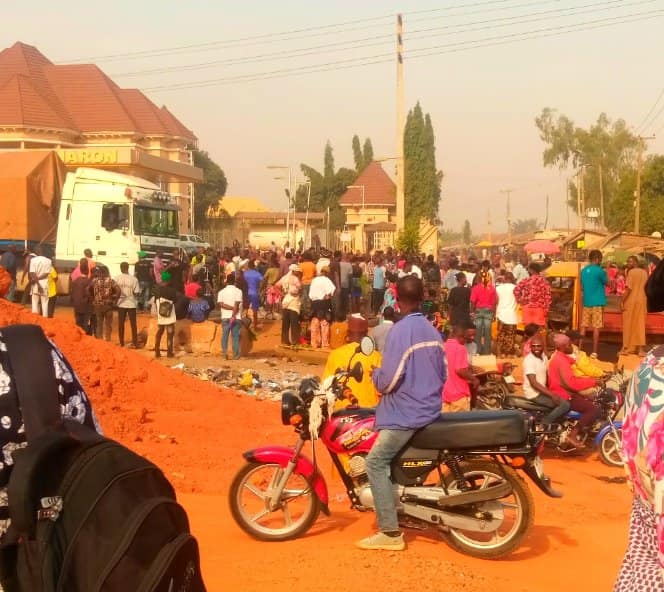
x,y
482,100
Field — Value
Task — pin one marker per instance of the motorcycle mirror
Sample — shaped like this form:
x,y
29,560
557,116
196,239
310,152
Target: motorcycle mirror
x,y
367,345
357,372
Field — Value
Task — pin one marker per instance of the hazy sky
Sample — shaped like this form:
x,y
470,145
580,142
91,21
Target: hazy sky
x,y
482,101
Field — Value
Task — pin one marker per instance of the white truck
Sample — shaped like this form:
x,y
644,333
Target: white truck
x,y
115,216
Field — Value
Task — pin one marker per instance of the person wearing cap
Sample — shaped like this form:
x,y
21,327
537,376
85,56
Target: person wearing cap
x,y
564,384
165,293
364,391
143,273
321,292
291,286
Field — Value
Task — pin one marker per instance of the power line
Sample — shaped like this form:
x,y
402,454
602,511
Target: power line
x,y
642,126
414,54
388,38
655,118
318,30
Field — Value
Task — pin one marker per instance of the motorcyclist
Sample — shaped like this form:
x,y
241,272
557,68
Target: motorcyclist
x,y
569,387
410,379
534,384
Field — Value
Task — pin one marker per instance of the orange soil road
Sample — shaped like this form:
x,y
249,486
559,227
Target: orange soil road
x,y
196,433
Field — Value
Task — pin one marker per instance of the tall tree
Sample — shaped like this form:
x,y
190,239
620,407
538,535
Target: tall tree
x,y
367,153
326,189
606,147
466,233
211,190
422,179
358,157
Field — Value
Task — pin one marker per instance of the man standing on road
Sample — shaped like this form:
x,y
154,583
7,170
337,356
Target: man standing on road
x,y
39,269
143,273
456,392
593,284
230,302
634,309
127,303
410,379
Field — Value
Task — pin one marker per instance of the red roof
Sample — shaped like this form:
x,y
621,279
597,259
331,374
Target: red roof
x,y
379,189
80,98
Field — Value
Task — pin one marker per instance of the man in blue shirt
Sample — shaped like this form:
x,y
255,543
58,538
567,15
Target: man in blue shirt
x,y
253,279
593,284
378,286
410,380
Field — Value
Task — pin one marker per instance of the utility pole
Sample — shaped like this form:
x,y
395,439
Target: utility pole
x,y
546,213
601,196
637,193
489,224
401,205
509,215
580,205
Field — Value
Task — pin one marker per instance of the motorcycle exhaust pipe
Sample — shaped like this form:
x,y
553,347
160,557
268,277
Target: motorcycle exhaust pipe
x,y
472,497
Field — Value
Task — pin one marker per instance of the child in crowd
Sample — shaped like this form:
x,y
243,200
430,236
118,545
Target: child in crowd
x,y
338,331
198,308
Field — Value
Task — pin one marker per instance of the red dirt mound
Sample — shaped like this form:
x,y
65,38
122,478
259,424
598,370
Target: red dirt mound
x,y
191,429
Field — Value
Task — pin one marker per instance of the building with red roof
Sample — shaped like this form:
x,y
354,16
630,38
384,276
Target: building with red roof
x,y
371,209
78,111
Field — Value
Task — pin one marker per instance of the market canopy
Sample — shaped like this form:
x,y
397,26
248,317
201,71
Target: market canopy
x,y
542,246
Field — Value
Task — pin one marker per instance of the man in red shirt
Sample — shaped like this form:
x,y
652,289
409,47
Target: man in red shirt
x,y
566,385
456,391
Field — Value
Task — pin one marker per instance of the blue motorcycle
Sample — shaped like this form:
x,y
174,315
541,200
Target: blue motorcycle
x,y
605,433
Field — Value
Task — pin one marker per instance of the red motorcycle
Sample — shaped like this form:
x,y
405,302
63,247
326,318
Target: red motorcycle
x,y
459,475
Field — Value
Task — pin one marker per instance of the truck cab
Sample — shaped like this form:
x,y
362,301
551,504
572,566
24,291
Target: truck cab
x,y
115,216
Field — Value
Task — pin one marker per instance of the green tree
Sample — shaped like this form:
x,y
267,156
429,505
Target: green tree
x,y
211,190
367,152
326,188
620,213
525,225
422,179
466,233
408,239
362,155
606,146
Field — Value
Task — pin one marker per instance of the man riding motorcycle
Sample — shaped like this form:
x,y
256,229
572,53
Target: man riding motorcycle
x,y
565,384
410,379
535,380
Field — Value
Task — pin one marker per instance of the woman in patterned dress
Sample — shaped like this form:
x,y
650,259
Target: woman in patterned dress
x,y
643,448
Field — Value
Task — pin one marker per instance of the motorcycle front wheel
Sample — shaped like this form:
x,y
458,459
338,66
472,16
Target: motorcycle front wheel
x,y
249,499
518,510
610,449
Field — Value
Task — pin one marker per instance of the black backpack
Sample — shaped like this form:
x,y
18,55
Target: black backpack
x,y
87,514
655,289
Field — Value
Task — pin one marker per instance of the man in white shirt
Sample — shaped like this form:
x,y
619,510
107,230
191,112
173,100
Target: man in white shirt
x,y
534,383
520,270
230,302
506,316
320,292
38,270
379,332
127,303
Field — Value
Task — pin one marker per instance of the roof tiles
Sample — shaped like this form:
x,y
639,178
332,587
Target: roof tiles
x,y
379,189
80,97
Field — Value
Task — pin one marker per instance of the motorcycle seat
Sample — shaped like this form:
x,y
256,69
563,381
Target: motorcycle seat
x,y
516,402
472,429
352,411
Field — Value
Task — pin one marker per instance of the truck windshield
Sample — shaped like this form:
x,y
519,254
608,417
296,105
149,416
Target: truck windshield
x,y
155,221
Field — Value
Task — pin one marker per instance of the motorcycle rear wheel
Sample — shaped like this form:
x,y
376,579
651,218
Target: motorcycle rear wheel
x,y
491,395
249,499
610,450
518,507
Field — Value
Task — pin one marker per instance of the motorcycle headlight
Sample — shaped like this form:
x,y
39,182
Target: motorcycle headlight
x,y
291,404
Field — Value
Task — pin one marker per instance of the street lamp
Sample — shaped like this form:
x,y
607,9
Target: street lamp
x,y
288,193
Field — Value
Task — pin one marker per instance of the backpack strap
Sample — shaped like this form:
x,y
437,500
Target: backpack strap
x,y
31,361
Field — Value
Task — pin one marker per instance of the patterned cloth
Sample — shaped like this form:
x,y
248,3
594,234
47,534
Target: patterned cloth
x,y
74,404
643,448
534,292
